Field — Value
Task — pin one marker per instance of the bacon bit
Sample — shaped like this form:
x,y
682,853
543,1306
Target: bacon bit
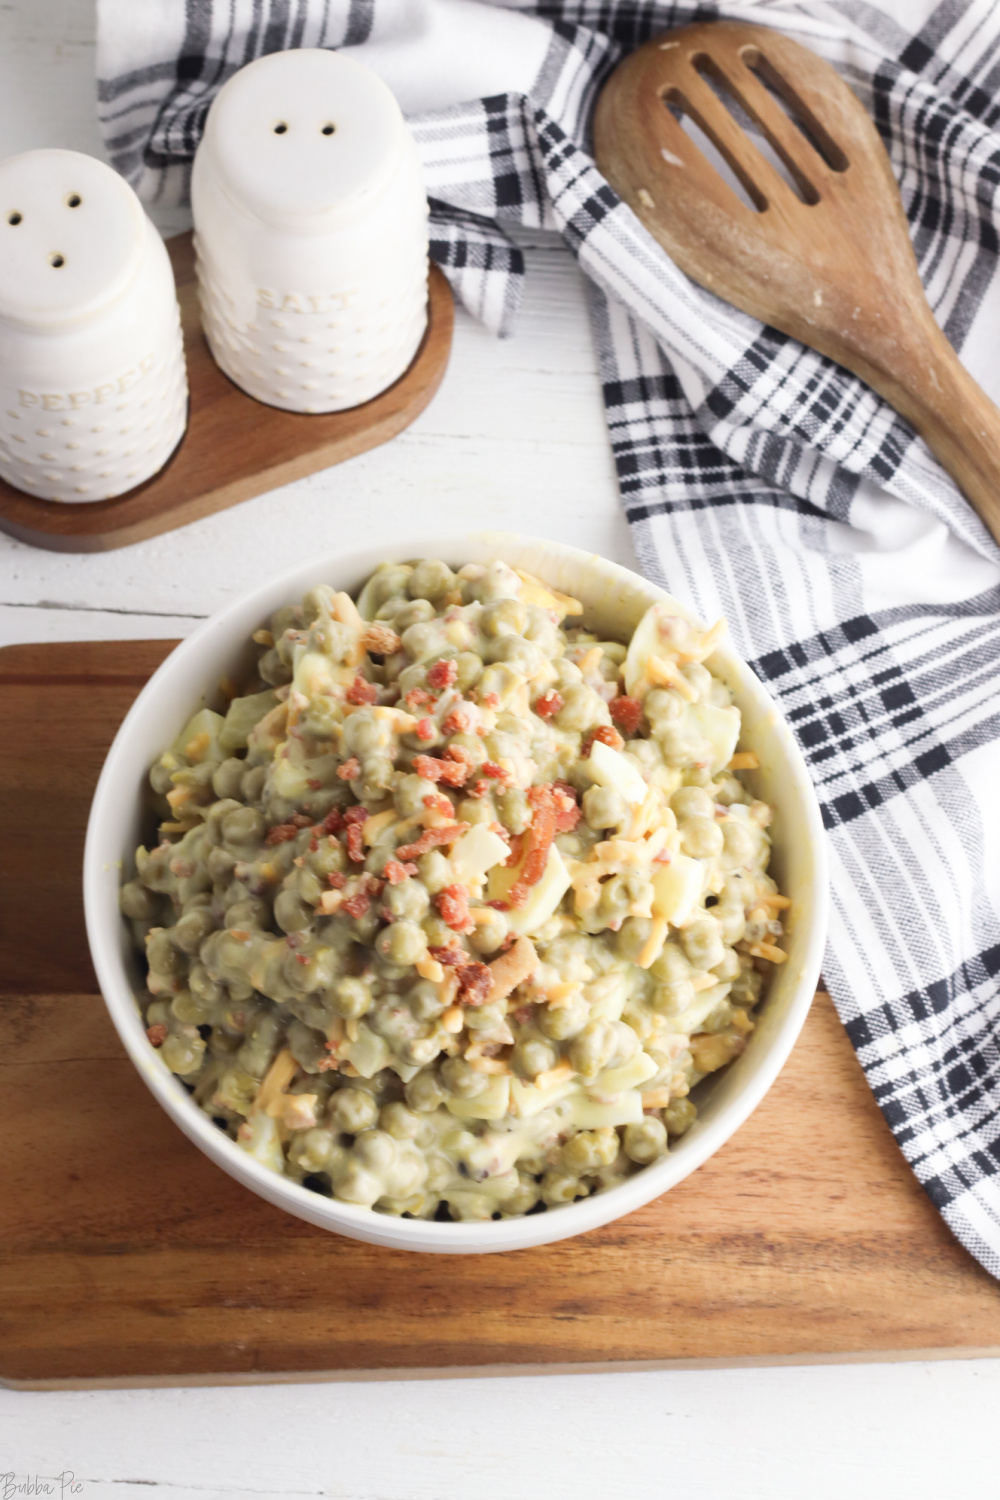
x,y
511,968
494,772
626,712
475,983
350,770
281,833
431,838
357,905
517,847
381,639
569,812
334,820
426,729
435,803
478,788
416,698
451,772
314,784
501,832
313,846
337,880
357,814
460,753
442,675
499,905
523,1014
362,691
453,904
355,843
548,704
490,700
157,1034
457,722
548,804
606,735
396,872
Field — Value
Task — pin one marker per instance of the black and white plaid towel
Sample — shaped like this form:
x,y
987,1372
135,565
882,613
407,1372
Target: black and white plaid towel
x,y
762,481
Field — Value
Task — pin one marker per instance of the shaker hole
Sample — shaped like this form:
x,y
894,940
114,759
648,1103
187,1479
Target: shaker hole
x,y
73,200
281,128
57,261
328,129
15,217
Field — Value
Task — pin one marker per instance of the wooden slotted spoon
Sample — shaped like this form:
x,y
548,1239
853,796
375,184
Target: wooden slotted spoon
x,y
828,260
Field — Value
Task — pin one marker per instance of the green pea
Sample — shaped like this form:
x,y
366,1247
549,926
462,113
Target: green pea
x,y
532,1056
244,828
376,1150
679,1116
398,1121
354,1110
402,943
603,807
591,1048
435,871
505,617
351,998
470,669
193,928
408,899
701,838
513,809
461,1079
431,579
424,1092
645,1140
582,708
291,913
137,902
183,1054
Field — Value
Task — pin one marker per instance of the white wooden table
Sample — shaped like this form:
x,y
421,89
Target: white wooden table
x,y
515,437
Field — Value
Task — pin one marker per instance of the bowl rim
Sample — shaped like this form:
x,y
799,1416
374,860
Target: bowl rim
x,y
104,931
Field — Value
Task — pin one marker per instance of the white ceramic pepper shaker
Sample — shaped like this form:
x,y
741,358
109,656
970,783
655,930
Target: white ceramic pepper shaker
x,y
93,388
311,232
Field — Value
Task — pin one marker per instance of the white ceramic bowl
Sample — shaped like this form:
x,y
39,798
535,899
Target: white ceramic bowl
x,y
615,599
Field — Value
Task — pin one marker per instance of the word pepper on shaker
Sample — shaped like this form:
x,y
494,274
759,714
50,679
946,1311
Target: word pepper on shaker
x,y
311,232
93,387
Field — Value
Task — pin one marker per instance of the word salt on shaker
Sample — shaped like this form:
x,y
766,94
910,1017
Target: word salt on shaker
x,y
93,388
311,232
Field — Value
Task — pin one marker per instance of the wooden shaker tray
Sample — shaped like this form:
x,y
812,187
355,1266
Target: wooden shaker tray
x,y
126,1257
234,447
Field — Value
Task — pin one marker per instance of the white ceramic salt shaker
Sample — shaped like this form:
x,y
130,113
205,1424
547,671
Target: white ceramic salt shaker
x,y
93,388
311,232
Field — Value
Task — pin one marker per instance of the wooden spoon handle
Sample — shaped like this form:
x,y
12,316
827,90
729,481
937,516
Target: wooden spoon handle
x,y
954,416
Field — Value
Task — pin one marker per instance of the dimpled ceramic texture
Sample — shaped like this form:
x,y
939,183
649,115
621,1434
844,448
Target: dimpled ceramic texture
x,y
93,389
311,233
615,601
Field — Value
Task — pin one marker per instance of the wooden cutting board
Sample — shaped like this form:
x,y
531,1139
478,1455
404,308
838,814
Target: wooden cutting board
x,y
127,1257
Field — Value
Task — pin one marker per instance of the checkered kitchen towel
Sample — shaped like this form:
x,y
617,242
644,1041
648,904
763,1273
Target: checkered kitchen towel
x,y
761,480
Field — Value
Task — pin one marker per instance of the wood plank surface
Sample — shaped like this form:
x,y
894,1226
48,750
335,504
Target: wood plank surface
x,y
126,1255
234,446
